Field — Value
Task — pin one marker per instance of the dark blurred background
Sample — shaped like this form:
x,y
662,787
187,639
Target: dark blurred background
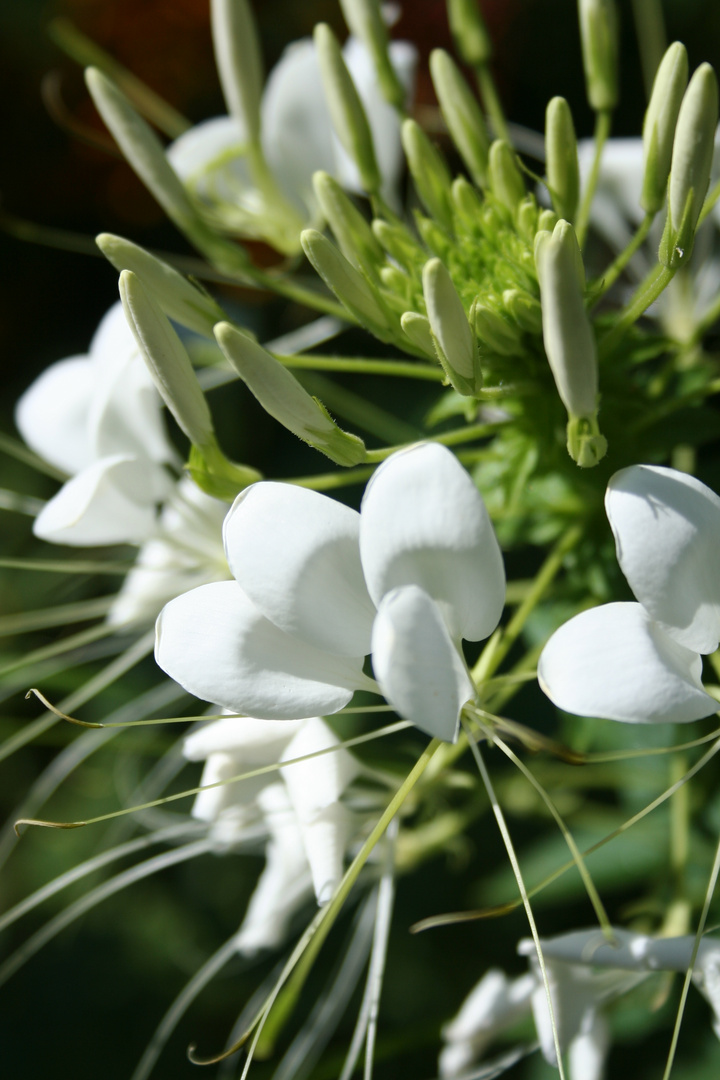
x,y
86,1008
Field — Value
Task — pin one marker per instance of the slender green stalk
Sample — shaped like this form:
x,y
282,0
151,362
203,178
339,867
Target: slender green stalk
x,y
290,289
491,101
603,123
616,268
403,369
652,287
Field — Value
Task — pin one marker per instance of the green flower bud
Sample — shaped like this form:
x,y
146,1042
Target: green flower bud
x,y
454,340
569,339
524,309
599,39
691,162
462,114
547,220
282,396
526,217
365,21
417,329
466,200
397,241
346,110
469,32
397,282
216,476
433,236
660,123
506,180
495,333
347,283
430,173
239,62
357,241
563,170
177,297
167,361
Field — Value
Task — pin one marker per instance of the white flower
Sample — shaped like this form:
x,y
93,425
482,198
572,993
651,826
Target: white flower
x,y
297,140
642,662
299,807
99,418
319,586
496,1003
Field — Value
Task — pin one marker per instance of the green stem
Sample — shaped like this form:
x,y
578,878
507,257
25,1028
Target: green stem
x,y
451,438
710,199
654,284
603,121
616,268
292,291
492,104
361,366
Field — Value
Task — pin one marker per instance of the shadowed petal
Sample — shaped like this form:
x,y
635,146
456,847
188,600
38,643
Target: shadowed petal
x,y
52,414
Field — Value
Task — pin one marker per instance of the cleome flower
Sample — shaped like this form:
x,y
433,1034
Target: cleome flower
x,y
319,586
298,810
642,662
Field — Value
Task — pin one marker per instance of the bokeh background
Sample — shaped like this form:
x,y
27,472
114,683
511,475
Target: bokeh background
x,y
87,1005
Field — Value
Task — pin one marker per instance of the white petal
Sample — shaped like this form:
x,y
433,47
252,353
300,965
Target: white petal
x,y
615,662
231,805
319,782
666,526
419,670
113,344
217,645
296,555
622,168
249,740
423,522
106,503
125,416
217,140
296,129
52,414
494,1004
588,1051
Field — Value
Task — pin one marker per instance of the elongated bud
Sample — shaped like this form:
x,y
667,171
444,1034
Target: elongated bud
x,y
691,162
282,396
167,361
569,339
397,241
599,39
469,32
660,123
177,297
505,178
524,309
454,340
347,112
430,173
462,114
346,282
546,221
417,329
239,62
365,21
357,241
563,169
494,331
467,201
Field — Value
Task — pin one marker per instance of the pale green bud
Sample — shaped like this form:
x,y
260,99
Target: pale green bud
x,y
346,110
462,114
567,331
430,173
397,282
282,396
346,282
691,162
176,296
216,475
599,39
493,330
466,200
546,221
524,309
433,236
417,329
167,361
469,32
239,62
397,241
504,176
659,125
455,341
357,241
365,21
563,169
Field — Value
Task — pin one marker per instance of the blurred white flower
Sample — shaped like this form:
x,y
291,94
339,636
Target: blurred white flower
x,y
319,586
642,663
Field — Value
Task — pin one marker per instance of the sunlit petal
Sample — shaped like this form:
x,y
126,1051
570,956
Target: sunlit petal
x,y
52,414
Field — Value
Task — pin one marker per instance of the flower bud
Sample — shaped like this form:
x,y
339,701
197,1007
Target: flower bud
x,y
239,62
282,396
357,241
417,329
469,32
505,178
365,21
346,110
454,340
691,162
346,282
467,201
177,297
599,39
495,333
563,169
526,218
569,339
430,173
167,361
523,309
462,114
660,123
397,242
547,220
